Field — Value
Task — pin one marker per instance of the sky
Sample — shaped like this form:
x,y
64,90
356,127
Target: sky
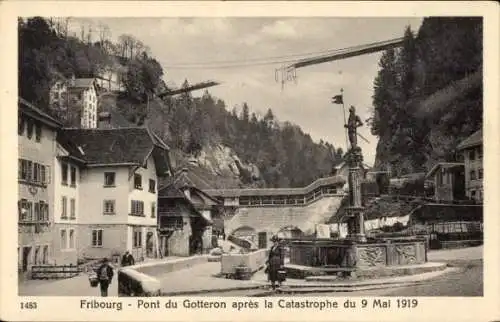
x,y
187,48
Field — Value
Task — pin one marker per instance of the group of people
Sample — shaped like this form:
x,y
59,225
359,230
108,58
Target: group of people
x,y
105,271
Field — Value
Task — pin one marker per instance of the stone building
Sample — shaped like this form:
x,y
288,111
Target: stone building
x,y
37,133
472,151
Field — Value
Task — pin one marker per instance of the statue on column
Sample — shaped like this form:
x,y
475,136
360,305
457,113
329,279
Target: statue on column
x,y
352,125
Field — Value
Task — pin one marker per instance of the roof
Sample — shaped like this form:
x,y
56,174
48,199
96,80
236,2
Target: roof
x,y
335,180
121,146
31,110
172,192
184,178
82,83
474,139
445,165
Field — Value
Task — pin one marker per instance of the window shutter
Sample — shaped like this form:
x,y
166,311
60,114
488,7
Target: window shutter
x,y
19,209
48,174
42,175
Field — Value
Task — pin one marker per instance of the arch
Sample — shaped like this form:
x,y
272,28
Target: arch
x,y
244,231
290,231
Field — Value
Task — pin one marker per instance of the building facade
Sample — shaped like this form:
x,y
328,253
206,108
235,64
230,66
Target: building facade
x,y
118,191
76,100
472,151
37,133
449,181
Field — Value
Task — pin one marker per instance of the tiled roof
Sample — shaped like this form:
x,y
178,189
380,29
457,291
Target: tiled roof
x,y
112,146
336,180
445,165
30,109
474,140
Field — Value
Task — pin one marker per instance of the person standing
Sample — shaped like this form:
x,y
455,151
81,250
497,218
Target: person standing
x,y
275,262
105,276
127,259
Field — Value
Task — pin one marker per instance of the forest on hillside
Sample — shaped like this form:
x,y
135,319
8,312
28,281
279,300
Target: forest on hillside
x,y
428,94
284,154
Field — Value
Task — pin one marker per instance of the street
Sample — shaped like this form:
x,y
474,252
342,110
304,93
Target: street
x,y
467,281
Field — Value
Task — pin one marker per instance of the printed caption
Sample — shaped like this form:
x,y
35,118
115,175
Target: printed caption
x,y
322,304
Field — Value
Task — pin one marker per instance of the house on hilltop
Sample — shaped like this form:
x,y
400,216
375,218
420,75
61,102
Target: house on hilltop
x,y
75,100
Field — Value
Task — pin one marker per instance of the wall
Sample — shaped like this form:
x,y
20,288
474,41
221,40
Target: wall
x,y
272,218
114,240
63,253
41,152
178,243
91,210
476,165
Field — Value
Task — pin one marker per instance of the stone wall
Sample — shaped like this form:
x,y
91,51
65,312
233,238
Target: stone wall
x,y
272,218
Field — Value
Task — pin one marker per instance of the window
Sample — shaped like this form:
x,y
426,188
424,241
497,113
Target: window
x,y
21,124
43,174
473,194
72,208
64,202
480,152
37,171
137,208
152,186
109,179
480,173
64,173
24,208
26,170
109,207
37,211
64,244
171,222
137,181
73,176
472,155
72,239
38,131
30,129
153,210
137,240
43,212
97,238
472,175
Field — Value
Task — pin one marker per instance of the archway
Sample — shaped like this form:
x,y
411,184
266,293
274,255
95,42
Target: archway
x,y
243,236
290,232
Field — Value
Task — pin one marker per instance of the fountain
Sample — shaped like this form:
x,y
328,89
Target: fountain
x,y
356,256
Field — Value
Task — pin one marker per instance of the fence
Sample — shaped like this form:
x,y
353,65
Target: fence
x,y
55,271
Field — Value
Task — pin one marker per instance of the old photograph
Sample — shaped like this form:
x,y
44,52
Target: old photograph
x,y
250,156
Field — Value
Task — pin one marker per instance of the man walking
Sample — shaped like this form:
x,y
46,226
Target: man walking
x,y
105,275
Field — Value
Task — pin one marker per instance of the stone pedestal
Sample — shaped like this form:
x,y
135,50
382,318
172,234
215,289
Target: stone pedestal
x,y
355,223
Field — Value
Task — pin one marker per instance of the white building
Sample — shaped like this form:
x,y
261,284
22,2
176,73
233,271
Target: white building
x,y
77,99
117,193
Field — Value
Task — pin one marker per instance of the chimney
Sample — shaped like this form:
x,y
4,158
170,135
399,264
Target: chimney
x,y
104,120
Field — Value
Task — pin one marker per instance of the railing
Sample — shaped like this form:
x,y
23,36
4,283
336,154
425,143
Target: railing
x,y
54,271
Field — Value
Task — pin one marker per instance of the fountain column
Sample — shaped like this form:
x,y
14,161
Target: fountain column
x,y
356,225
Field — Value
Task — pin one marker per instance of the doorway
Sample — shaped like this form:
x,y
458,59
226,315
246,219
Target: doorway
x,y
26,258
